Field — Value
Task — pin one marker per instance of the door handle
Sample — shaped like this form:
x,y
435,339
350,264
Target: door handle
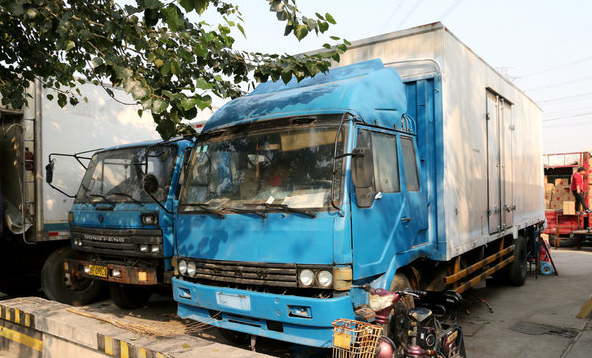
x,y
406,220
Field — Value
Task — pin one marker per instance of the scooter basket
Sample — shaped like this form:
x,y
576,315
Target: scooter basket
x,y
354,339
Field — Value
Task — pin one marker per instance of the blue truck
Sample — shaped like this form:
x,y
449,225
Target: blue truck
x,y
421,168
122,221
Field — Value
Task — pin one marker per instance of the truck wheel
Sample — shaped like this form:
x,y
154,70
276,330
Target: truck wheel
x,y
516,272
397,325
65,288
129,297
234,337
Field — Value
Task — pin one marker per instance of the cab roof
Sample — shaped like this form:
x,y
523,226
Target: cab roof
x,y
373,93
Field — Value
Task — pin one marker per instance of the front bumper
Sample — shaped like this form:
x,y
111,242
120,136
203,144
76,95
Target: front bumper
x,y
301,320
104,271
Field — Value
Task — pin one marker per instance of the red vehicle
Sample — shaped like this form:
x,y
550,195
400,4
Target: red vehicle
x,y
564,226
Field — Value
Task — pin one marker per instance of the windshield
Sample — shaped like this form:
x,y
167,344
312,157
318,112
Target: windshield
x,y
117,175
276,167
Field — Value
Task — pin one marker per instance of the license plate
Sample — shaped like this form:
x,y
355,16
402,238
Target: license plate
x,y
342,340
100,271
240,302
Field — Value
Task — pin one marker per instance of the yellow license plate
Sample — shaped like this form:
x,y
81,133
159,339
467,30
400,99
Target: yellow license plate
x,y
100,271
342,340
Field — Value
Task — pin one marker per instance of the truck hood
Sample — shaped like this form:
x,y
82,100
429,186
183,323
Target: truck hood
x,y
281,238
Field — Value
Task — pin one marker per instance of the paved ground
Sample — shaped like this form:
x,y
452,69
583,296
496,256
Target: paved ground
x,y
536,320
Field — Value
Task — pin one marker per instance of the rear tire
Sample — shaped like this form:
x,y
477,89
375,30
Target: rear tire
x,y
129,297
62,287
516,271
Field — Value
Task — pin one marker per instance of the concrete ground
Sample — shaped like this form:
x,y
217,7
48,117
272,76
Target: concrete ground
x,y
535,320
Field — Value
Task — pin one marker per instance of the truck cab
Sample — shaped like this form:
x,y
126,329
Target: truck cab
x,y
294,198
122,222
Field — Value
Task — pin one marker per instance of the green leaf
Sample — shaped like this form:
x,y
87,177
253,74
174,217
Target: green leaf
x,y
203,84
323,26
174,17
286,76
50,97
158,106
175,67
330,19
319,16
153,4
69,45
203,102
301,31
62,100
166,69
239,26
158,62
187,103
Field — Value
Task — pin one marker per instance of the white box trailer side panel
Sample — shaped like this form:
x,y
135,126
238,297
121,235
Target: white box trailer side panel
x,y
100,123
492,158
467,83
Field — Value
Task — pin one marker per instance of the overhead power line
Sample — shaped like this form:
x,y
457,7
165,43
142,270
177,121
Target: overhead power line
x,y
450,9
557,67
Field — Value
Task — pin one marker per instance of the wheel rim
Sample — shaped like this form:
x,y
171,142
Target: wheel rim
x,y
75,283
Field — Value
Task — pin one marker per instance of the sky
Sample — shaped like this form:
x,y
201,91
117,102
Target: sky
x,y
542,46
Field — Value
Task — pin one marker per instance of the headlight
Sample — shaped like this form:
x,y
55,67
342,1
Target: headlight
x,y
155,249
306,277
149,219
116,273
143,248
182,267
325,279
191,269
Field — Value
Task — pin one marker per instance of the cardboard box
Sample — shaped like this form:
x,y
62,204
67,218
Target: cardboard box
x,y
563,182
547,204
548,196
569,207
555,205
549,187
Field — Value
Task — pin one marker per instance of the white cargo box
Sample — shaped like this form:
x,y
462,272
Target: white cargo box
x,y
491,181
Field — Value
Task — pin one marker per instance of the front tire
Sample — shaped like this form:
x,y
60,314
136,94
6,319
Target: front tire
x,y
398,322
129,297
234,337
65,288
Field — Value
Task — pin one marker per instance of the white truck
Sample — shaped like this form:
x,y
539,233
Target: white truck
x,y
34,235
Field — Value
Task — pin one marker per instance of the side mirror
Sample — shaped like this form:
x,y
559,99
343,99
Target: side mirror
x,y
362,176
150,183
49,171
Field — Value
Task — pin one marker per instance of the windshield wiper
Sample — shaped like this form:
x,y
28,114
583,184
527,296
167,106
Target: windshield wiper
x,y
207,209
102,197
129,196
290,209
246,211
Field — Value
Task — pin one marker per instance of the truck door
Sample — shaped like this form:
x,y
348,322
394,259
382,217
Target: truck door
x,y
499,163
384,221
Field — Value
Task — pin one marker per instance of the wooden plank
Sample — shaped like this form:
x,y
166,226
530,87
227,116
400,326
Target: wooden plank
x,y
586,309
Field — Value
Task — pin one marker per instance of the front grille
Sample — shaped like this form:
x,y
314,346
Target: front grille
x,y
117,242
246,273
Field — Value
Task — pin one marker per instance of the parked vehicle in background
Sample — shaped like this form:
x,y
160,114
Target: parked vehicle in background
x,y
35,234
565,226
420,169
122,219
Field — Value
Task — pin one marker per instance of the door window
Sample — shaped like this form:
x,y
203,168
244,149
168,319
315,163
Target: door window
x,y
409,164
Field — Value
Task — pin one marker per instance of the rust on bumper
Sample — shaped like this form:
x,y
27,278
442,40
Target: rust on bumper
x,y
127,274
